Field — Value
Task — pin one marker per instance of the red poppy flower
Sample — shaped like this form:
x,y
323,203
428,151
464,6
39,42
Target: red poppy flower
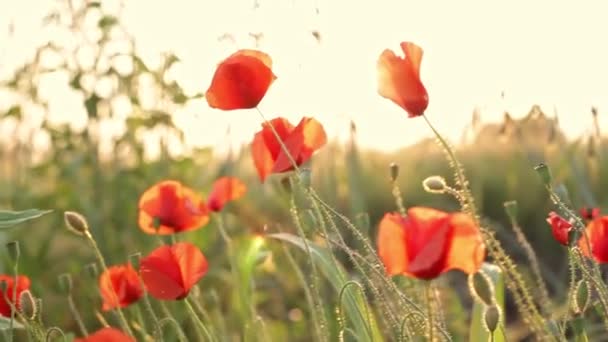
x,y
240,81
170,207
589,213
429,242
224,190
597,231
560,228
119,286
301,142
107,335
399,79
23,283
169,272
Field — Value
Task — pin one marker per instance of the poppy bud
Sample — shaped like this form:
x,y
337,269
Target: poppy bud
x,y
394,168
511,209
76,222
544,172
481,288
582,297
28,305
92,270
434,184
65,283
491,317
134,259
13,250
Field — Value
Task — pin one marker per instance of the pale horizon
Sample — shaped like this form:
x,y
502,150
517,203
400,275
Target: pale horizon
x,y
541,52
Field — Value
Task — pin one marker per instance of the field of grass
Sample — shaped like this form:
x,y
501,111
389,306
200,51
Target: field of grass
x,y
295,258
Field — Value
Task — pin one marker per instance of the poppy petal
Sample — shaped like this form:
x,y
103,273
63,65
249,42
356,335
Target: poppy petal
x,y
265,147
240,81
161,274
23,283
467,250
224,190
107,335
169,272
119,287
399,79
559,227
597,232
306,138
391,244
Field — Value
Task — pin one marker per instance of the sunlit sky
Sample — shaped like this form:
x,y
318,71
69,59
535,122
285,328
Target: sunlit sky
x,y
551,53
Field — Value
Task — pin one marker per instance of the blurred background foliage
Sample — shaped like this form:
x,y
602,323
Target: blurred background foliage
x,y
82,168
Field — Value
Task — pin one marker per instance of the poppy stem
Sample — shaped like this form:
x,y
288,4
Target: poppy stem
x,y
197,319
14,298
76,314
429,303
104,266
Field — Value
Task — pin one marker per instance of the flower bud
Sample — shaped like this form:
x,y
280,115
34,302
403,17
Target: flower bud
x,y
65,283
434,184
13,250
27,305
544,172
394,168
491,317
76,222
92,270
511,210
481,288
582,297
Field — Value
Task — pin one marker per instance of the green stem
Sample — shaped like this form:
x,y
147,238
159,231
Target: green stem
x,y
76,314
14,299
429,304
197,319
102,261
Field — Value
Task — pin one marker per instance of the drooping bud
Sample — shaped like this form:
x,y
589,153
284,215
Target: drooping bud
x,y
434,184
394,168
65,283
135,259
544,172
76,222
491,317
480,286
511,210
27,305
582,297
92,271
13,250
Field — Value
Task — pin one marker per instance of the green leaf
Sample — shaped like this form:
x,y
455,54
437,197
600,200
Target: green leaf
x,y
478,331
5,324
11,218
354,303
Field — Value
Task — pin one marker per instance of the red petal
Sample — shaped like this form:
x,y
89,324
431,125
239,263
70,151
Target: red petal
x,y
23,283
224,190
119,287
391,244
559,227
240,81
305,139
428,236
170,271
399,79
467,250
107,335
265,148
597,232
176,207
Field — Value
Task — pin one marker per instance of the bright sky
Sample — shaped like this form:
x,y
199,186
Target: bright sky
x,y
548,52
